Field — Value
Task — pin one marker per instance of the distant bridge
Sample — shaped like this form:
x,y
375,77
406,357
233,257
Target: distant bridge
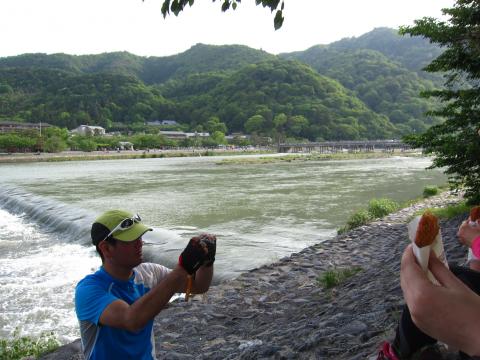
x,y
339,146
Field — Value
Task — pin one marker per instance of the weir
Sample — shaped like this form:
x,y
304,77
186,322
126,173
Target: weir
x,y
51,215
73,224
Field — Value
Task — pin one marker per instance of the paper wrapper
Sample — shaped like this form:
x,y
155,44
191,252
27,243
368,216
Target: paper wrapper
x,y
470,255
422,254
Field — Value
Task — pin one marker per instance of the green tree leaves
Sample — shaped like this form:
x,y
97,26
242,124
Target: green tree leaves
x,y
52,139
17,143
54,144
455,143
218,138
254,124
5,89
176,6
148,141
298,125
214,125
83,143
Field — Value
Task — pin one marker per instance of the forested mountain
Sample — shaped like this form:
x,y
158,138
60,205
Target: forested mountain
x,y
198,59
67,99
118,62
384,70
383,85
413,53
315,106
364,87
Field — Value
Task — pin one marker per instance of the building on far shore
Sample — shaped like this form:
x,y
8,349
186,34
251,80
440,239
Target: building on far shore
x,y
125,145
89,130
175,135
10,126
162,122
239,136
198,134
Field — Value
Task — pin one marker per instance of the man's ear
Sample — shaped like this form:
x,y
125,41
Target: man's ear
x,y
105,248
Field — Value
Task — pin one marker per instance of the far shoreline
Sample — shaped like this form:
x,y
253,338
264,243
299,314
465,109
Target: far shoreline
x,y
14,158
123,154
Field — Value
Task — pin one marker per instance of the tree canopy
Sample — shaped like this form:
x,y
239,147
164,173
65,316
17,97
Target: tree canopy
x,y
177,6
455,143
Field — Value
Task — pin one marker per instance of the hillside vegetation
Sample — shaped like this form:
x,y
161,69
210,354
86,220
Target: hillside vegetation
x,y
358,88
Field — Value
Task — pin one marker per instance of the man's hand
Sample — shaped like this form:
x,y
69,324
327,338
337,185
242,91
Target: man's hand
x,y
193,256
210,242
199,251
449,312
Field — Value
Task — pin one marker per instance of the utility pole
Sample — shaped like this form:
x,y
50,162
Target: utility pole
x,y
40,138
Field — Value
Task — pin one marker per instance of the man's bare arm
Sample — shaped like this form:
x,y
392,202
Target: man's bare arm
x,y
120,314
203,279
201,283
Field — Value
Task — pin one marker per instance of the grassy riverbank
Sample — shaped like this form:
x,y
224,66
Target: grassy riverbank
x,y
378,208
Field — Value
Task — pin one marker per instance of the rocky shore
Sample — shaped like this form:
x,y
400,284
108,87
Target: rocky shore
x,y
281,311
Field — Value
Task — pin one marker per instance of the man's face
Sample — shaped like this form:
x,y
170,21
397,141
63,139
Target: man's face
x,y
128,254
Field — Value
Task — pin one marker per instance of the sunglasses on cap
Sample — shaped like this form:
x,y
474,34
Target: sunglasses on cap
x,y
124,225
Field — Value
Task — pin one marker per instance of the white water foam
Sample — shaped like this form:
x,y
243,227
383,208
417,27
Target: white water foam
x,y
38,274
53,216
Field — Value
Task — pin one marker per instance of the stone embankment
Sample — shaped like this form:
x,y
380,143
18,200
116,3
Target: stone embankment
x,y
280,311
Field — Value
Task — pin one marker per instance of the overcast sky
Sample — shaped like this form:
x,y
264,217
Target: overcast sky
x,y
97,26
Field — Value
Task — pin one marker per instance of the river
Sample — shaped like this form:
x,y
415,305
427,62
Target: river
x,y
259,212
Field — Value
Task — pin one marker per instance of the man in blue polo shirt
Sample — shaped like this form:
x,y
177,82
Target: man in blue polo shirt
x,y
116,305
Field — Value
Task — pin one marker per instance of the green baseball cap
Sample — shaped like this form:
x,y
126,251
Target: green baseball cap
x,y
111,220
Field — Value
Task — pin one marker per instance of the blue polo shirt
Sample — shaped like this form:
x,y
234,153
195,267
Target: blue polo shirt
x,y
94,293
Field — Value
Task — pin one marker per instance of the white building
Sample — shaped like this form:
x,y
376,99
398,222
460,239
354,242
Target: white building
x,y
237,136
125,145
198,134
89,130
161,122
174,135
183,135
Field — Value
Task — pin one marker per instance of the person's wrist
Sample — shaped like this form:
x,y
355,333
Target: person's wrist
x,y
180,270
209,262
476,246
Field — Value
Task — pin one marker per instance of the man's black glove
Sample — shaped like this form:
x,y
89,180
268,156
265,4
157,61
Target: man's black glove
x,y
210,242
193,256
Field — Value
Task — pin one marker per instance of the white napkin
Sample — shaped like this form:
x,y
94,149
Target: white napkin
x,y
470,252
422,254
